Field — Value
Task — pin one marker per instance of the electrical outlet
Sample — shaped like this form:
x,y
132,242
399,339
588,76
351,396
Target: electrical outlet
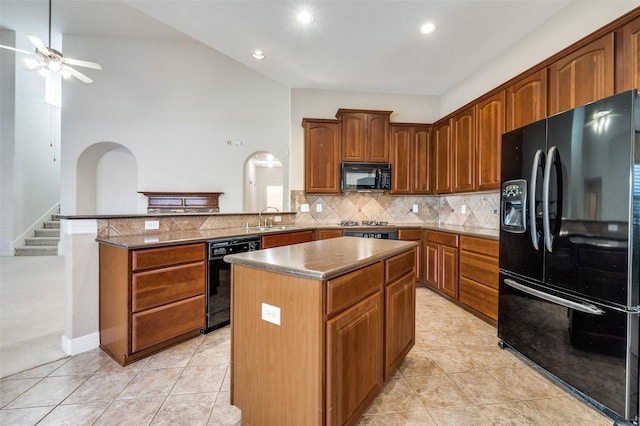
x,y
277,219
463,209
304,208
319,208
415,208
151,224
271,313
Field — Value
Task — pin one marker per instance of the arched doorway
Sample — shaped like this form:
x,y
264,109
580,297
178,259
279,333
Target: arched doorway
x,y
263,182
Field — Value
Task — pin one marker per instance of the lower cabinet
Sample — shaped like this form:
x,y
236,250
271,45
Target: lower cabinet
x,y
325,234
479,275
150,298
414,235
441,262
285,239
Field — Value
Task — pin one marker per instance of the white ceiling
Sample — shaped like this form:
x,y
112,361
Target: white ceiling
x,y
359,45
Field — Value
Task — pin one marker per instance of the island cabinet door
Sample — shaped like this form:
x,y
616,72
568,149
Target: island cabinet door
x,y
354,360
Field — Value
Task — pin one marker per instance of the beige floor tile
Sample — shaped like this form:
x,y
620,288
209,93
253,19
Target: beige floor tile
x,y
151,383
48,391
437,391
568,411
512,413
201,379
75,414
188,410
131,412
23,416
481,388
112,365
410,418
41,371
459,416
223,413
176,356
455,360
419,363
526,383
396,396
102,386
84,363
11,389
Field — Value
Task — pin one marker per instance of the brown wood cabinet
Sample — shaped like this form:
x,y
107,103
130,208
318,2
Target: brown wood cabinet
x,y
414,235
527,100
325,234
489,129
321,156
341,335
628,60
442,153
285,239
479,275
441,262
365,135
410,158
400,310
150,298
463,136
583,76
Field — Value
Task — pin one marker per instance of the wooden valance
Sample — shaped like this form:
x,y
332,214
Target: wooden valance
x,y
182,202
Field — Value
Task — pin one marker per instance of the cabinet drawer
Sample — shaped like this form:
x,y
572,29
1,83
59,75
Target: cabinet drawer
x,y
165,322
477,267
479,245
443,238
409,234
325,234
347,289
480,297
163,256
161,286
397,266
277,240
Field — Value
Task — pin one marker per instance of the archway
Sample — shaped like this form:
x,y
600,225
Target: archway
x,y
263,182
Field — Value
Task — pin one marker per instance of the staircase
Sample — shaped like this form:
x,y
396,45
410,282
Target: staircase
x,y
45,242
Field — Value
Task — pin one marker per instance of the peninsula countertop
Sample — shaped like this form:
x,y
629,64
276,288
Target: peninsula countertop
x,y
323,259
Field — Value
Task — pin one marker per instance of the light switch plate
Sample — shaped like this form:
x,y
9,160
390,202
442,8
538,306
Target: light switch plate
x,y
415,208
271,313
463,209
304,208
319,208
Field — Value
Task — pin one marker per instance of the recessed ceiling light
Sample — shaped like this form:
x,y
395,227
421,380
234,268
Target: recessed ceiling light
x,y
428,28
305,17
258,54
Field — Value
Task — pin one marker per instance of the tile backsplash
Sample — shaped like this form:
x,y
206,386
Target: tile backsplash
x,y
479,210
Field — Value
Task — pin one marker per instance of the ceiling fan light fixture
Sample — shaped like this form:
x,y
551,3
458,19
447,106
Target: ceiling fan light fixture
x,y
44,71
54,66
428,28
65,73
31,63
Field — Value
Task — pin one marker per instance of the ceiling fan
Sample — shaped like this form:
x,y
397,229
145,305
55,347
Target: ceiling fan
x,y
46,59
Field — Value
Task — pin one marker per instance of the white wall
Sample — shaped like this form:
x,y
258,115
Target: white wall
x,y
174,105
30,175
312,103
576,21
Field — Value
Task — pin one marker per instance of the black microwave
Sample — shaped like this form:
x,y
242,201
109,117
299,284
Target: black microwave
x,y
365,176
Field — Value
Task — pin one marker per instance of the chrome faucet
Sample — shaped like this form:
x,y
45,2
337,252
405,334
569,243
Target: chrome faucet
x,y
260,215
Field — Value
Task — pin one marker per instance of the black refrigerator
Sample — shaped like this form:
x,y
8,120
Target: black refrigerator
x,y
570,250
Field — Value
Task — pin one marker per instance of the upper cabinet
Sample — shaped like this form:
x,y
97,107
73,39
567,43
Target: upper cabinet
x,y
442,157
527,100
463,150
489,129
629,66
321,156
410,158
583,76
365,135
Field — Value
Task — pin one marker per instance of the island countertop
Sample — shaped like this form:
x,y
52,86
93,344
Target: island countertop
x,y
323,259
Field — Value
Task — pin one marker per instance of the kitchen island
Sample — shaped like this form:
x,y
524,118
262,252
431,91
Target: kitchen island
x,y
318,327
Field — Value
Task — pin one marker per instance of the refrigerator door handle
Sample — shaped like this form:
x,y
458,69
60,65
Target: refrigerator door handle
x,y
538,161
546,222
582,307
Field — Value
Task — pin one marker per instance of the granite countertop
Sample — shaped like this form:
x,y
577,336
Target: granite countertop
x,y
324,259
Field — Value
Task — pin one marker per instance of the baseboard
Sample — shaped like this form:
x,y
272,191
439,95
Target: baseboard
x,y
80,344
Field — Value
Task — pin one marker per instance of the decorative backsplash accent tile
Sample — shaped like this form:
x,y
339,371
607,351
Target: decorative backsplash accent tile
x,y
480,210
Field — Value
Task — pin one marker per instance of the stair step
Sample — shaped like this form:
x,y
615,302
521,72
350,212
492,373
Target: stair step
x,y
52,224
47,233
42,241
37,251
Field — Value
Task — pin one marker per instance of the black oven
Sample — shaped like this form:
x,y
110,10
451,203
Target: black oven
x,y
219,278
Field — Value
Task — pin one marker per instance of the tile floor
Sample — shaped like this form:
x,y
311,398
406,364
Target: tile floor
x,y
455,375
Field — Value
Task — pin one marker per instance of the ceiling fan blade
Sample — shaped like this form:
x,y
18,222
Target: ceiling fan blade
x,y
81,63
77,74
17,50
38,44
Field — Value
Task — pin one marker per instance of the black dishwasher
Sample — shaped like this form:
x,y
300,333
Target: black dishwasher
x,y
219,278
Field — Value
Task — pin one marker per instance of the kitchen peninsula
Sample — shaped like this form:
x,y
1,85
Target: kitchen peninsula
x,y
318,327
